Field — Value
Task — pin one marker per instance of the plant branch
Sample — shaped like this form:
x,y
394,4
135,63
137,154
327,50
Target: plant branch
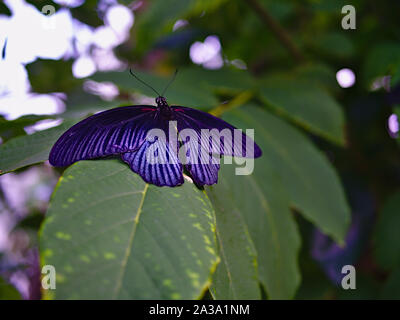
x,y
237,101
277,29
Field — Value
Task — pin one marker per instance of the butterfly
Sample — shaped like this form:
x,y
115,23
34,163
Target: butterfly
x,y
128,132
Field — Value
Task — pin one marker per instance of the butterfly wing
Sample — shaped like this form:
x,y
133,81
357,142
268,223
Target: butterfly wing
x,y
198,159
155,160
202,164
125,131
107,133
236,146
203,170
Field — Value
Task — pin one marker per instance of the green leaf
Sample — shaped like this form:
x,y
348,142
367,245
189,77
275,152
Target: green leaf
x,y
12,128
32,221
280,10
306,104
328,6
386,234
8,292
225,79
52,76
22,121
112,236
391,288
236,275
160,16
382,60
335,44
395,80
318,73
4,9
88,13
80,104
261,203
30,149
39,4
310,180
367,289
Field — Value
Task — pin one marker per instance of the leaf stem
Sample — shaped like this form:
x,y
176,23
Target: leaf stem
x,y
237,101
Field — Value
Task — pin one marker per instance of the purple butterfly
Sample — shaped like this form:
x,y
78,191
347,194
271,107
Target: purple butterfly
x,y
141,135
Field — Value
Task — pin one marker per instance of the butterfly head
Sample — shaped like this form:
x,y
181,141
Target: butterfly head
x,y
161,102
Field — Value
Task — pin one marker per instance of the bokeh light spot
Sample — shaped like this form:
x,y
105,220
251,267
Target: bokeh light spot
x,y
83,67
180,24
393,125
346,78
207,53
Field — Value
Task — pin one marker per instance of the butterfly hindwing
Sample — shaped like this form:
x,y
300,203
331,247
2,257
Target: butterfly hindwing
x,y
203,151
202,165
106,133
204,171
155,160
236,143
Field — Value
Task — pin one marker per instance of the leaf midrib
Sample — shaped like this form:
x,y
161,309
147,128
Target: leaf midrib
x,y
130,243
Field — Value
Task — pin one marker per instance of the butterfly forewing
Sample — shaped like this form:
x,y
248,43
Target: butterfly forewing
x,y
106,133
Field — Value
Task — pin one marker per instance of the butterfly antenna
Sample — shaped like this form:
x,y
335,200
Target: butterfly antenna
x,y
137,78
170,81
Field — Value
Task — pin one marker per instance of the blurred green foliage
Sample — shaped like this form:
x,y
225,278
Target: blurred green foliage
x,y
8,292
312,133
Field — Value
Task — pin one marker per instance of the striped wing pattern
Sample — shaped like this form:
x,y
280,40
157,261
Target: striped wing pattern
x,y
203,168
197,120
107,133
155,161
204,171
199,161
125,131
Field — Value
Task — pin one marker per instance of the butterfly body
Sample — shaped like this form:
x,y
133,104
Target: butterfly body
x,y
165,110
128,132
